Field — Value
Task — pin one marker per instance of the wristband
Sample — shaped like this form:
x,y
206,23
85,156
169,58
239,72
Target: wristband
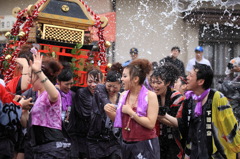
x,y
38,72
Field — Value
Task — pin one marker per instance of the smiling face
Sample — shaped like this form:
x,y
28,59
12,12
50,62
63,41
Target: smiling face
x,y
178,85
192,80
126,80
158,85
92,83
113,88
65,86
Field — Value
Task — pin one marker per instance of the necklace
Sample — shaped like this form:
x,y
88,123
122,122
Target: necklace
x,y
130,117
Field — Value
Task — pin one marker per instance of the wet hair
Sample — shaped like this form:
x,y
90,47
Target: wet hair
x,y
139,68
26,53
175,48
96,73
115,73
183,79
204,72
51,68
154,65
65,75
168,72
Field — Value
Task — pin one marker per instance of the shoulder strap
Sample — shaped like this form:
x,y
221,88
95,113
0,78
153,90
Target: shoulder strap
x,y
209,121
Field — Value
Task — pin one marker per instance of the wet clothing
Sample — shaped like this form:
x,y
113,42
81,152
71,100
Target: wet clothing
x,y
141,146
103,139
10,113
231,89
9,126
147,149
14,85
178,63
45,129
47,114
79,122
214,134
169,137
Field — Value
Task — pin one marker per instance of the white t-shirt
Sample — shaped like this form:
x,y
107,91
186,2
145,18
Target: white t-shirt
x,y
192,62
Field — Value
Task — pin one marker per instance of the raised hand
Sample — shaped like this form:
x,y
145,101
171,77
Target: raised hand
x,y
36,64
22,61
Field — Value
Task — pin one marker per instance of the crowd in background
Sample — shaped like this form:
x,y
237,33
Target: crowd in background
x,y
137,110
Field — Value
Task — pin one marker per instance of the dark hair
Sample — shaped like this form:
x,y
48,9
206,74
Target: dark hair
x,y
51,68
154,65
168,72
96,73
183,79
175,48
65,75
139,68
26,53
204,72
115,73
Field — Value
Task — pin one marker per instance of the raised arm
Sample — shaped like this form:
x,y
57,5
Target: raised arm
x,y
47,84
25,73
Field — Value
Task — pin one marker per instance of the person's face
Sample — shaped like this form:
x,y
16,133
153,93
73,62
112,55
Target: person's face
x,y
175,53
179,86
126,81
65,86
198,54
158,85
133,56
92,83
113,88
192,80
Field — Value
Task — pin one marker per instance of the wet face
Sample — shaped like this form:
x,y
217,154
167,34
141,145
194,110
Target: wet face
x,y
113,88
192,80
175,53
92,82
65,86
126,81
179,86
158,85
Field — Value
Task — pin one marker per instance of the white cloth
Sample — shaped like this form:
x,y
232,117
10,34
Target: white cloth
x,y
193,61
2,82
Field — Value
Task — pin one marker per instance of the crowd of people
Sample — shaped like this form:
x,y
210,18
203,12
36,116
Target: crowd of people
x,y
137,110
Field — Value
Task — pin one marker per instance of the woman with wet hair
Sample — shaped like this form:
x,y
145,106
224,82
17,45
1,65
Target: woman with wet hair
x,y
136,113
80,115
45,117
181,84
169,100
102,137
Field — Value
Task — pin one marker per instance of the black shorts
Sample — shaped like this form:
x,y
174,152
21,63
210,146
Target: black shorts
x,y
141,149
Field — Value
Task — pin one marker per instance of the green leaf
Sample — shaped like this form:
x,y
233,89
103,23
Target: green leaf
x,y
74,59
